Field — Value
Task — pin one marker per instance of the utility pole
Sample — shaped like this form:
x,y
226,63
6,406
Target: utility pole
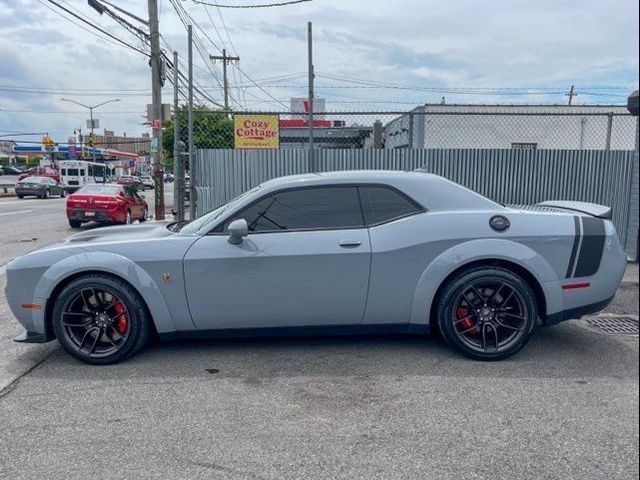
x,y
571,94
176,146
156,100
225,61
312,162
192,168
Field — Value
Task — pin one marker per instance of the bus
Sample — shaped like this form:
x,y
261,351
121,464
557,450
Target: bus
x,y
78,173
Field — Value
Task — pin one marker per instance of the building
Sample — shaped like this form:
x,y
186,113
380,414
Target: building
x,y
137,145
575,127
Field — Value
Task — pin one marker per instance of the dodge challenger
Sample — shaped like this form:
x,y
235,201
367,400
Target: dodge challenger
x,y
331,253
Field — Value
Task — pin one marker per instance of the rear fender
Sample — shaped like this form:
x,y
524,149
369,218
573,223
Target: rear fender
x,y
114,264
483,249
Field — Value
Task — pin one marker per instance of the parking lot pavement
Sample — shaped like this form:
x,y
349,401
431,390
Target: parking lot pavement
x,y
360,407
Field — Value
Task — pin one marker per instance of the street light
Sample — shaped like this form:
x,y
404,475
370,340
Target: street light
x,y
90,108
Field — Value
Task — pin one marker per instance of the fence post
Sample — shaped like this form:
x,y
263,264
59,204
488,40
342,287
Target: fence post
x,y
633,230
410,136
609,128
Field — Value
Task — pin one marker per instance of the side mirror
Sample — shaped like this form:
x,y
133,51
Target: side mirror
x,y
238,229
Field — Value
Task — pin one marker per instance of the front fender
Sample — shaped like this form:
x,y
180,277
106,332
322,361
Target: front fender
x,y
108,263
484,249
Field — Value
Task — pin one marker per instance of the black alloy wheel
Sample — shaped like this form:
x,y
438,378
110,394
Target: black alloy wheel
x,y
487,313
100,319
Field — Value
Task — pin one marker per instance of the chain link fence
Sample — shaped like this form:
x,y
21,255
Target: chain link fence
x,y
437,126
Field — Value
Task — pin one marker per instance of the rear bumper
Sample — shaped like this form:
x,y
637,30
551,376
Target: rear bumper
x,y
30,191
80,215
577,312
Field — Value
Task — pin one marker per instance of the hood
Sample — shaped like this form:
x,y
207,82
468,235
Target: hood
x,y
121,233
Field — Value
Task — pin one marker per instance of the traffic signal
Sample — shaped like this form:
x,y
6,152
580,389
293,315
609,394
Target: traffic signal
x,y
48,143
92,139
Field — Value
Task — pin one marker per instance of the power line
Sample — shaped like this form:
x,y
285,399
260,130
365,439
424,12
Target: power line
x,y
267,5
93,25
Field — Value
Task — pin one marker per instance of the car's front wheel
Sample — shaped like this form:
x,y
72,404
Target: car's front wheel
x,y
100,319
487,313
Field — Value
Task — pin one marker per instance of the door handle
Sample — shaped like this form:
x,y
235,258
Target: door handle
x,y
350,243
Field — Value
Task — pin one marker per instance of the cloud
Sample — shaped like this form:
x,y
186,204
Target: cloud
x,y
458,43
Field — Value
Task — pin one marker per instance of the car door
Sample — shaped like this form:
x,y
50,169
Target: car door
x,y
305,262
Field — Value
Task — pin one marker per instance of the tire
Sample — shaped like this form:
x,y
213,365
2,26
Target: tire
x,y
487,313
20,196
145,215
138,323
127,218
63,193
47,194
75,223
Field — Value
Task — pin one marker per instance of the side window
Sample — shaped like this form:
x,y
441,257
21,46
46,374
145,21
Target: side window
x,y
82,172
129,193
305,209
63,171
382,204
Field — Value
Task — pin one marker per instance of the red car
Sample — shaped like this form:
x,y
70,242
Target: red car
x,y
106,202
40,173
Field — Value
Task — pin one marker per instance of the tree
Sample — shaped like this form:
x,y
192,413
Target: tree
x,y
211,129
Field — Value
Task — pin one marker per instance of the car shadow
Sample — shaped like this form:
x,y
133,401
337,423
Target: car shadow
x,y
570,351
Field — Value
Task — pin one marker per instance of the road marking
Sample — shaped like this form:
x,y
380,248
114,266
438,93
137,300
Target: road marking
x,y
32,201
15,213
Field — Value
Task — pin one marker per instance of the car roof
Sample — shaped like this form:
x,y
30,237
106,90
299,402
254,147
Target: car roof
x,y
432,191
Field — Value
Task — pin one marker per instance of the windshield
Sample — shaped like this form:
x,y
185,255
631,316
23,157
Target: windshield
x,y
100,189
198,223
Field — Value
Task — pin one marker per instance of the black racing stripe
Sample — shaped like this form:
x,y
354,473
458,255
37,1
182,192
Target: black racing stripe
x,y
593,237
574,250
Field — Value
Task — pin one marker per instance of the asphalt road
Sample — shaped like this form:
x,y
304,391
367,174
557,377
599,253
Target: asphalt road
x,y
360,407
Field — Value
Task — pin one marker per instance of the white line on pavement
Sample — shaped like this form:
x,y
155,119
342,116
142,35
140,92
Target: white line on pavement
x,y
30,202
15,213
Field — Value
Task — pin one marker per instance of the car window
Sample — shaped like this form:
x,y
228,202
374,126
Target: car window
x,y
82,172
383,204
305,209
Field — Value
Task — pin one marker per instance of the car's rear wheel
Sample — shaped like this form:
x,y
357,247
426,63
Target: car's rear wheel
x,y
46,194
100,319
63,193
20,196
75,223
487,313
127,218
145,215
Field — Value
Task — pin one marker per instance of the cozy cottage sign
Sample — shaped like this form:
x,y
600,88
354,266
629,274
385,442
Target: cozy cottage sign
x,y
256,131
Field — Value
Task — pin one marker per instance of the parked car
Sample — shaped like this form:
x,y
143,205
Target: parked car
x,y
106,202
41,187
352,252
131,181
168,178
11,170
147,182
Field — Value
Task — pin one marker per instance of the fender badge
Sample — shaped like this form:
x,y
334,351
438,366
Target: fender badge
x,y
166,278
499,223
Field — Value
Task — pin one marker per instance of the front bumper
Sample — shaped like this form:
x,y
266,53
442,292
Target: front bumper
x,y
32,337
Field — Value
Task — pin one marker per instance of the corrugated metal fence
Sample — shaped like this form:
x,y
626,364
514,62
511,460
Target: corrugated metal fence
x,y
506,176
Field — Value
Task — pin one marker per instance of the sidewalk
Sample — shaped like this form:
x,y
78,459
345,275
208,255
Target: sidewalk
x,y
631,274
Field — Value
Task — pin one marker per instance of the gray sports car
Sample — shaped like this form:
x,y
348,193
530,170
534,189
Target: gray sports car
x,y
339,252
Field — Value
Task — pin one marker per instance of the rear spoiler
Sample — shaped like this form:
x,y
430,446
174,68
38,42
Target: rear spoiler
x,y
593,209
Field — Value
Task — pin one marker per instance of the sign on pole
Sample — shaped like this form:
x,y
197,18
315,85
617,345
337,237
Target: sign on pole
x,y
256,131
73,151
154,145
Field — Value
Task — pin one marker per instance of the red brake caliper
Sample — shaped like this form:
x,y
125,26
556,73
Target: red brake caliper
x,y
467,323
121,322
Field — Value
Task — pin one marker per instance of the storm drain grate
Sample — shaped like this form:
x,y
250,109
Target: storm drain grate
x,y
615,325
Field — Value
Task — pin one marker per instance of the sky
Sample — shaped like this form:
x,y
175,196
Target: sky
x,y
495,51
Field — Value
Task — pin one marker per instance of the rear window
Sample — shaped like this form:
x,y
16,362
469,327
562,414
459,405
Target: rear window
x,y
100,189
72,172
382,204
